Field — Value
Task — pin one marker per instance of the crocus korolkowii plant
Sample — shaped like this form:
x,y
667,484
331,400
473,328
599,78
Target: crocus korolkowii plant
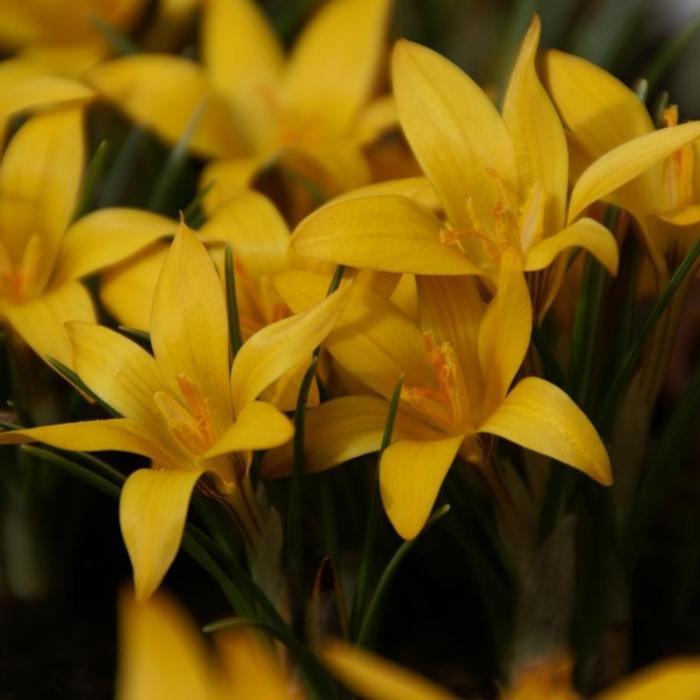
x,y
457,375
197,420
501,180
252,105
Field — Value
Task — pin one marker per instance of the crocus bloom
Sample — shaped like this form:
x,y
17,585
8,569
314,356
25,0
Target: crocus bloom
x,y
605,116
252,105
162,655
501,180
182,408
42,255
457,386
374,678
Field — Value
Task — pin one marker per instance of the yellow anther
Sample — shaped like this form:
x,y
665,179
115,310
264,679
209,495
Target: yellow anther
x,y
199,408
670,116
677,169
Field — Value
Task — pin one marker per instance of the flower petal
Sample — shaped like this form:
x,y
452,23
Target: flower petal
x,y
254,57
127,289
410,475
375,679
372,339
163,93
189,327
455,131
543,418
226,178
161,653
675,678
341,429
259,362
258,426
537,133
120,434
152,513
40,178
389,233
121,373
584,233
40,322
259,234
621,165
106,237
346,38
504,335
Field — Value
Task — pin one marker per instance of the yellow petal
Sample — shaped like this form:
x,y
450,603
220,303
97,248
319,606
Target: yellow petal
x,y
418,189
584,233
42,92
541,417
334,63
161,653
252,671
120,434
389,233
189,328
253,58
121,373
256,229
40,322
341,429
621,165
410,475
152,513
126,290
259,362
163,93
537,133
455,131
106,237
373,340
504,335
40,179
375,679
377,118
676,678
259,426
226,178
601,111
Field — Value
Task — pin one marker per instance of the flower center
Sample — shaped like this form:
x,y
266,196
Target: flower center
x,y
677,170
192,426
446,406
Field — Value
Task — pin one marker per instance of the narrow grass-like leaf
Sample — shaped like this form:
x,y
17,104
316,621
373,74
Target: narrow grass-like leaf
x,y
370,619
94,172
120,42
609,402
70,376
193,208
234,321
142,337
359,599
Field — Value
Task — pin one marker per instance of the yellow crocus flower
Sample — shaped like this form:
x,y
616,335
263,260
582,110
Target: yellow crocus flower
x,y
162,655
456,386
42,255
181,407
252,105
604,116
501,180
373,678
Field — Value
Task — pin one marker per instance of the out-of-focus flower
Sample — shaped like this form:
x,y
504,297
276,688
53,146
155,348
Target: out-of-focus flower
x,y
162,655
183,409
605,118
250,106
42,255
373,678
457,385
